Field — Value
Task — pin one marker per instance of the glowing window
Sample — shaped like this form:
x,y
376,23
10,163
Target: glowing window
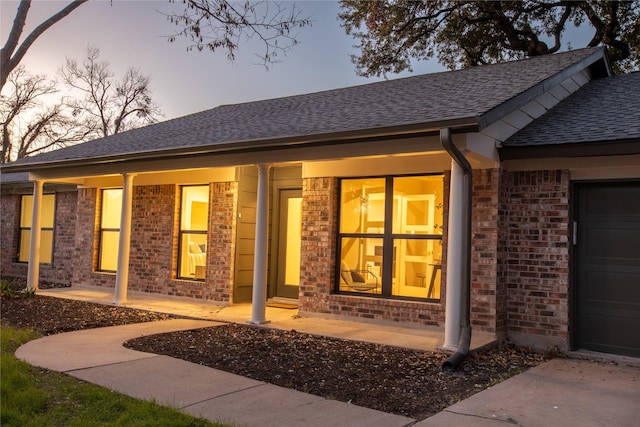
x,y
110,229
194,219
46,228
390,236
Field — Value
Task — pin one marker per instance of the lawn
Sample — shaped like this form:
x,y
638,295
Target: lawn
x,y
32,396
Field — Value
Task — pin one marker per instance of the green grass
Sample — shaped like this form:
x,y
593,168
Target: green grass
x,y
31,396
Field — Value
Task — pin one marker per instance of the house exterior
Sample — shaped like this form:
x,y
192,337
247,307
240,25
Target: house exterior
x,y
347,202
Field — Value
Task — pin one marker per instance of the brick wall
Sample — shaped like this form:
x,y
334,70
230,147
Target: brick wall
x,y
537,257
154,242
319,227
222,240
152,237
87,241
9,221
485,291
60,270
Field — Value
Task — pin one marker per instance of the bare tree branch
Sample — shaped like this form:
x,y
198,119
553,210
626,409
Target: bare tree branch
x,y
221,24
9,56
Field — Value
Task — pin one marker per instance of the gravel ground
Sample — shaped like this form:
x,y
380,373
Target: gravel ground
x,y
390,379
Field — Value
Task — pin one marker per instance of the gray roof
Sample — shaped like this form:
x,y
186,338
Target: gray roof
x,y
604,110
470,94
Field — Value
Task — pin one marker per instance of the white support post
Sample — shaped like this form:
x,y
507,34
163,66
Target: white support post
x,y
452,320
124,242
259,301
33,272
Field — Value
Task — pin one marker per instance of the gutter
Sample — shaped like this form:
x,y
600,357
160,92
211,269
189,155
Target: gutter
x,y
465,295
468,124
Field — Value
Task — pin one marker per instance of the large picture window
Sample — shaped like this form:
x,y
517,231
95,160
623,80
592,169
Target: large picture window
x,y
110,229
46,228
390,236
194,218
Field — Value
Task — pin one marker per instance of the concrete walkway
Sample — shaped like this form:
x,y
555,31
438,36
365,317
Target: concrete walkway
x,y
562,392
418,338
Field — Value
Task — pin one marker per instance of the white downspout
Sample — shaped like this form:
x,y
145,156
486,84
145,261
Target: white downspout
x,y
259,300
454,260
124,242
458,252
33,272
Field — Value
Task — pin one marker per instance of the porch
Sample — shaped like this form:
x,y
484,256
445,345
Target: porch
x,y
379,332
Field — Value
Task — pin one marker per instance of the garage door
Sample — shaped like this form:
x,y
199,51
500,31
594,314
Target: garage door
x,y
608,267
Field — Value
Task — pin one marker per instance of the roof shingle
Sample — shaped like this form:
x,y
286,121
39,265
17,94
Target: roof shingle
x,y
603,110
422,99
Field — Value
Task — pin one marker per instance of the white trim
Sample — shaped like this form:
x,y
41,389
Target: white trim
x,y
455,231
260,260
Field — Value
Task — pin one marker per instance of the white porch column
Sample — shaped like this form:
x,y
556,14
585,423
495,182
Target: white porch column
x,y
33,272
259,301
124,242
455,231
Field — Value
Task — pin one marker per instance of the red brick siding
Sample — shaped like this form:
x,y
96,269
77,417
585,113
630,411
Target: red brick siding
x,y
537,256
484,249
9,221
150,259
502,263
218,285
60,270
64,235
319,227
222,240
87,241
154,242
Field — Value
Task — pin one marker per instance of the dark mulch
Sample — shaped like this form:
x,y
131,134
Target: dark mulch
x,y
390,379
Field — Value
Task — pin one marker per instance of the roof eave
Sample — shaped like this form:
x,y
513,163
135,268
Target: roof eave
x,y
597,61
458,125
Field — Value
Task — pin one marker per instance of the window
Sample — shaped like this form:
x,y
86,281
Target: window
x,y
110,229
390,236
194,218
46,228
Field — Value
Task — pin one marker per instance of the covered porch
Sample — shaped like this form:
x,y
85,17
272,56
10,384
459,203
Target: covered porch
x,y
378,332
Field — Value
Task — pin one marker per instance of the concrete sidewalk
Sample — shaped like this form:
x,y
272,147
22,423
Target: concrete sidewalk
x,y
561,392
414,337
97,356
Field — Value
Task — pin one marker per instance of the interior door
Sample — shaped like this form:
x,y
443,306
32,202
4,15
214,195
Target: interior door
x,y
289,243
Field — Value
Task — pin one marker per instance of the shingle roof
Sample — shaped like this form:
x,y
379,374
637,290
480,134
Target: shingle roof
x,y
603,110
463,94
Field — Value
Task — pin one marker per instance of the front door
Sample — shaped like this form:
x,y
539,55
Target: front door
x,y
289,242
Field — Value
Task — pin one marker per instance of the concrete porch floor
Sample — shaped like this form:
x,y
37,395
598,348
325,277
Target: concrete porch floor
x,y
414,337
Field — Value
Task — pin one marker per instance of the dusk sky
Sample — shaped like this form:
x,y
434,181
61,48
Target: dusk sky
x,y
134,34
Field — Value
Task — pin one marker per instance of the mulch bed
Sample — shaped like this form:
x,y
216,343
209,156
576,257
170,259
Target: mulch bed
x,y
390,379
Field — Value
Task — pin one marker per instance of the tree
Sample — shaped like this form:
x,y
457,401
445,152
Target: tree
x,y
211,24
12,52
99,105
106,105
392,33
28,125
220,25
